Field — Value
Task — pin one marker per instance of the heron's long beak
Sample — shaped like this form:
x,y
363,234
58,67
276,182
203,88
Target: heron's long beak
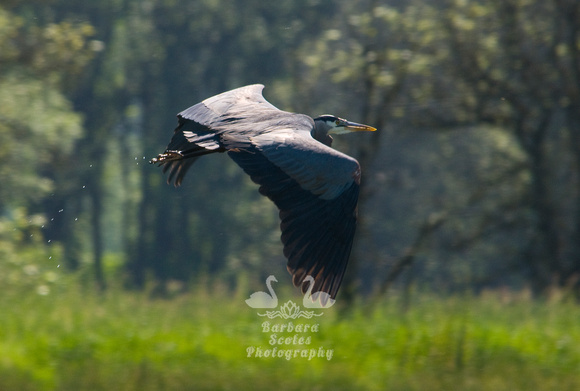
x,y
355,127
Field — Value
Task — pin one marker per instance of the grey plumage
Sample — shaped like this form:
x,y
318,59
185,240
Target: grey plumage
x,y
314,186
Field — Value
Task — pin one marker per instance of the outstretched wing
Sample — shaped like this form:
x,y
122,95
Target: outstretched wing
x,y
220,123
314,186
245,102
316,189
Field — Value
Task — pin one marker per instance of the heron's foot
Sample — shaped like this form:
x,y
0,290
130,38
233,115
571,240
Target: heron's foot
x,y
168,156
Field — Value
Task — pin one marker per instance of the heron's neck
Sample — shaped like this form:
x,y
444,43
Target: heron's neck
x,y
320,133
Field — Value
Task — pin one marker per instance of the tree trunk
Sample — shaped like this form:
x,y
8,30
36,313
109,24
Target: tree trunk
x,y
96,234
543,253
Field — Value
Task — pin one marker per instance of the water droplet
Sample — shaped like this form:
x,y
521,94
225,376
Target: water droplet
x,y
57,265
50,257
60,211
84,186
76,218
48,241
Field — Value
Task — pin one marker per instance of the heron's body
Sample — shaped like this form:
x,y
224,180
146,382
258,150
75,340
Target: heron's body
x,y
289,156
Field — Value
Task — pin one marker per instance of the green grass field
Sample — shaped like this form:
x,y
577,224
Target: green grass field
x,y
75,339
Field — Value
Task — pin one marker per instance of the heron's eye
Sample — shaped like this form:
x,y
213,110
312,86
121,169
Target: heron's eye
x,y
337,122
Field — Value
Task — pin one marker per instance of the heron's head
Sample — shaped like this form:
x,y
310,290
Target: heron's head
x,y
331,124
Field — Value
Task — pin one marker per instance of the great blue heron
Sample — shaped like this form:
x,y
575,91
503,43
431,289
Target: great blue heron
x,y
314,186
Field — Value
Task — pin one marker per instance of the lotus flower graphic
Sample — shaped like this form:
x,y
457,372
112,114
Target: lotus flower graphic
x,y
290,310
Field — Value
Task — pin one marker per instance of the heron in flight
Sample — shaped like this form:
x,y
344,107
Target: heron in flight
x,y
314,186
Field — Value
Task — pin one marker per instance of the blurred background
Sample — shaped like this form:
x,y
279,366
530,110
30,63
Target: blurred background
x,y
470,187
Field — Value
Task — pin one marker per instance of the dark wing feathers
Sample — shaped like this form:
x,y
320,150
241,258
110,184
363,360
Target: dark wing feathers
x,y
314,186
317,233
324,252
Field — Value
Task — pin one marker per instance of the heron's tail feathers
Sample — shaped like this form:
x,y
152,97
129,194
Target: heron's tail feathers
x,y
183,150
166,157
175,155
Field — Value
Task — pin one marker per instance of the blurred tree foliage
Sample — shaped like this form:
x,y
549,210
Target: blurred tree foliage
x,y
39,130
38,126
472,180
